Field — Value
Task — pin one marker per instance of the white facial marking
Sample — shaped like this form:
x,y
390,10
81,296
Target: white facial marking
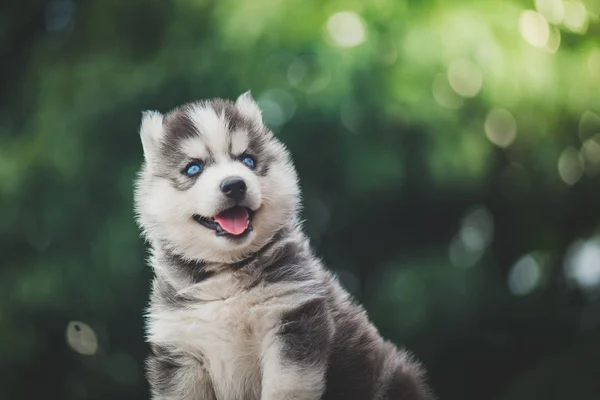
x,y
239,142
194,148
212,128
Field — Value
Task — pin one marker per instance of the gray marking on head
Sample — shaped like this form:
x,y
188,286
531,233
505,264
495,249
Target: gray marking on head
x,y
178,126
258,135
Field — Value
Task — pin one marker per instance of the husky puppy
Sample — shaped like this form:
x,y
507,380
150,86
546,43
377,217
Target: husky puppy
x,y
241,308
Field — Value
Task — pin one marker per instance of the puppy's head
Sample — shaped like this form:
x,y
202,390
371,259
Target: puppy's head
x,y
216,184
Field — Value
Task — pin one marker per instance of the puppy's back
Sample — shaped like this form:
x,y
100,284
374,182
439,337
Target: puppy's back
x,y
362,364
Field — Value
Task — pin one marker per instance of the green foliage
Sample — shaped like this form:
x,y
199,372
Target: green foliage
x,y
401,116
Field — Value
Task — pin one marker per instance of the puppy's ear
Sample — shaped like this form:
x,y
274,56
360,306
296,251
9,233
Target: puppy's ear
x,y
248,107
151,132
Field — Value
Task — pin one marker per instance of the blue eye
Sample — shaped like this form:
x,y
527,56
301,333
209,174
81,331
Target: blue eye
x,y
193,169
249,162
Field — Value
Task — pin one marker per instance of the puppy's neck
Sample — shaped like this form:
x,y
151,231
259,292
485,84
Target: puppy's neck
x,y
182,272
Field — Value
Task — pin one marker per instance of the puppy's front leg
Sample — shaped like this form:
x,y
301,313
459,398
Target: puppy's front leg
x,y
295,354
176,376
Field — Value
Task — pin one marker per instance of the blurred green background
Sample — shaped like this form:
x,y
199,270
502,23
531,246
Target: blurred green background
x,y
449,153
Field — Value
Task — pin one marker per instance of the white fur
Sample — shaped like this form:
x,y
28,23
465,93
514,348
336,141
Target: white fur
x,y
226,327
212,128
285,380
166,212
239,142
151,131
191,382
194,148
248,107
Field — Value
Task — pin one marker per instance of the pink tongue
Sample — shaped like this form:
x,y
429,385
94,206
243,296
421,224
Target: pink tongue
x,y
234,220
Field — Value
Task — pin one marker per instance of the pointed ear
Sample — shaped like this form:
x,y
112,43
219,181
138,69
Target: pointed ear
x,y
151,131
248,107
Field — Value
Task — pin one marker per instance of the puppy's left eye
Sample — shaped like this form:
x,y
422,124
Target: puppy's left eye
x,y
193,168
248,161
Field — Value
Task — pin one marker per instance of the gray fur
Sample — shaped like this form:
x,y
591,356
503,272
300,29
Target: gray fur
x,y
264,320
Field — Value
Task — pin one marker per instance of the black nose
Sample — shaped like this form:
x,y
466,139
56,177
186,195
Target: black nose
x,y
234,187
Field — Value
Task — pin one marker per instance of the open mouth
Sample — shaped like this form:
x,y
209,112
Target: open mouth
x,y
234,222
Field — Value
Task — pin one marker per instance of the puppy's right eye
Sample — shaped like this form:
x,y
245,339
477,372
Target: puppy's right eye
x,y
248,161
193,168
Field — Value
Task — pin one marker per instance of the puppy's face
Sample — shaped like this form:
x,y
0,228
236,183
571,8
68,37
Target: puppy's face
x,y
216,184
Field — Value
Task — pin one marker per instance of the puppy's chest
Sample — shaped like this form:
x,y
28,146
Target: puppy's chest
x,y
226,335
230,324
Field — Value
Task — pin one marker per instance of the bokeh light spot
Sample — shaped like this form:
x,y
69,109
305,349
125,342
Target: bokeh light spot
x,y
534,28
309,74
582,265
272,113
480,219
443,93
593,63
81,338
475,235
589,125
576,17
284,99
553,43
524,276
465,77
278,106
346,29
461,256
590,150
553,10
570,166
500,127
58,14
